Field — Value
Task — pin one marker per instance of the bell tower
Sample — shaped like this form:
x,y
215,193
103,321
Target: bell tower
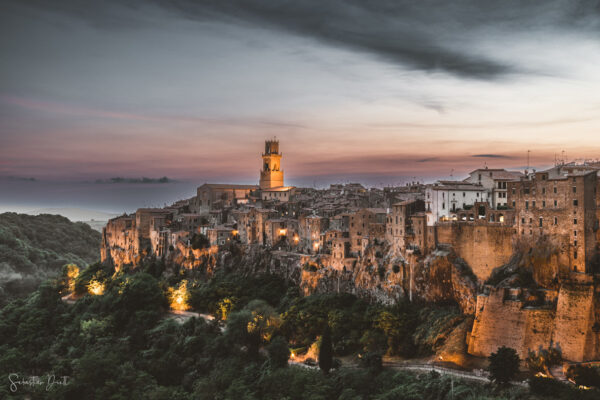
x,y
271,174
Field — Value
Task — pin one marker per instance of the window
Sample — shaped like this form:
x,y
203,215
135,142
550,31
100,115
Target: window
x,y
526,190
555,189
575,243
513,204
575,233
533,204
527,205
544,204
555,203
543,190
443,206
464,194
513,191
522,220
575,202
555,220
574,221
575,255
574,189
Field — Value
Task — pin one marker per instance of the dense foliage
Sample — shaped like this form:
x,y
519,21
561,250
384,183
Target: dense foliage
x,y
34,248
123,345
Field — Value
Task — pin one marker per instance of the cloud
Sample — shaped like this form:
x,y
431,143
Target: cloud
x,y
430,36
491,156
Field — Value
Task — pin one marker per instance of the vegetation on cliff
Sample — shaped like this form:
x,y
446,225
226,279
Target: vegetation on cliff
x,y
34,248
123,345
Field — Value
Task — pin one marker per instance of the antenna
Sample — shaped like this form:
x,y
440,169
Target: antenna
x,y
528,151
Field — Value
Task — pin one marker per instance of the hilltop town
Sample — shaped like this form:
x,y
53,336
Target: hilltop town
x,y
517,251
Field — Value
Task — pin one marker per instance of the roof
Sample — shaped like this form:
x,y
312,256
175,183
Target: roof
x,y
279,189
229,186
405,202
456,185
154,210
499,173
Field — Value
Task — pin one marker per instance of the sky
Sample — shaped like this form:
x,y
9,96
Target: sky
x,y
380,92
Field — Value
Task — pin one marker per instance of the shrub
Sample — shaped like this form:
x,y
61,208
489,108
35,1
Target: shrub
x,y
504,365
279,352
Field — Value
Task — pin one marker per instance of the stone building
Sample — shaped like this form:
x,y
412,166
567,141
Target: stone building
x,y
561,204
495,182
309,230
283,231
251,224
366,223
399,223
217,196
271,175
219,235
445,197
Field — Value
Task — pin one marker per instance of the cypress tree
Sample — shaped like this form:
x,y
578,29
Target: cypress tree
x,y
326,351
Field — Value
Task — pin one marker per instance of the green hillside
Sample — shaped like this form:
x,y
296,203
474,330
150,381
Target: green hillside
x,y
33,248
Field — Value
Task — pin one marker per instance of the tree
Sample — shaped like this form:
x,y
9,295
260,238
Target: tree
x,y
326,351
279,352
504,365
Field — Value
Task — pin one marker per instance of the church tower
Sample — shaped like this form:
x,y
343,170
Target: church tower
x,y
271,175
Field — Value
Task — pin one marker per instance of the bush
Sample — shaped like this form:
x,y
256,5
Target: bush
x,y
279,352
504,365
585,375
372,361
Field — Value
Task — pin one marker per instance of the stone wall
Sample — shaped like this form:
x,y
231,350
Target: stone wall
x,y
502,319
573,320
483,246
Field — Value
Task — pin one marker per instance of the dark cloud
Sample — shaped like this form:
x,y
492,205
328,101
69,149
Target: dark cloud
x,y
491,156
431,36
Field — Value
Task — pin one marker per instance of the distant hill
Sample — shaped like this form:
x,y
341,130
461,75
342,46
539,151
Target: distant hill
x,y
34,248
96,219
119,179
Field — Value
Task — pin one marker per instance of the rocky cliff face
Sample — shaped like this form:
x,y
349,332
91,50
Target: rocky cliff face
x,y
529,302
440,277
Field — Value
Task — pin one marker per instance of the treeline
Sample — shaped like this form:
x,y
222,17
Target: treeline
x,y
122,344
34,248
